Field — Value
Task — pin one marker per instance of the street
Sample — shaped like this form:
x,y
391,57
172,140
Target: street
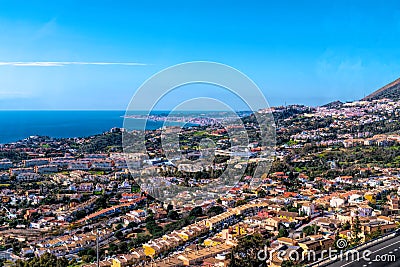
x,y
386,253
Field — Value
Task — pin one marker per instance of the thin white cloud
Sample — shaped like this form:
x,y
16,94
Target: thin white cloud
x,y
13,94
65,63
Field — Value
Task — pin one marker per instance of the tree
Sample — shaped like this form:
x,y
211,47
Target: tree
x,y
240,202
283,233
154,229
346,226
356,231
310,230
132,225
118,234
261,193
245,254
197,212
46,260
170,207
112,248
215,210
377,233
123,248
173,215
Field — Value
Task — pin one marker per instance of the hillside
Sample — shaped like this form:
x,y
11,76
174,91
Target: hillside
x,y
391,90
334,104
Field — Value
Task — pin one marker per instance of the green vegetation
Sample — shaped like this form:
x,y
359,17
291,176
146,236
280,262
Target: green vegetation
x,y
46,260
245,254
283,233
310,230
102,143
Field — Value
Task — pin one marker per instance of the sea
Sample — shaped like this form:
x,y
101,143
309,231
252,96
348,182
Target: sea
x,y
19,124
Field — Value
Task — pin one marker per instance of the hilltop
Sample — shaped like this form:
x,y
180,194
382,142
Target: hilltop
x,y
334,104
391,90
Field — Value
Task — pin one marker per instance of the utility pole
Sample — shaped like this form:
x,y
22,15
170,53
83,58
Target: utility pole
x,y
97,248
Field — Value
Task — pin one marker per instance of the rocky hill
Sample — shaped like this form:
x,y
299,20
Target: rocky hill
x,y
334,104
391,90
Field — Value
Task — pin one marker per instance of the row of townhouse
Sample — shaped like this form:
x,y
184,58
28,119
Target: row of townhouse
x,y
49,168
70,244
85,164
5,164
308,249
35,162
221,219
174,239
111,210
229,216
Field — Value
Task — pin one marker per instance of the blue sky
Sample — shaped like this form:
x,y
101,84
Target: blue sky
x,y
307,52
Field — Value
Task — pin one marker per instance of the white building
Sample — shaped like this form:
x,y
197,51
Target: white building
x,y
5,164
16,171
102,164
27,177
337,202
308,209
46,169
79,165
34,162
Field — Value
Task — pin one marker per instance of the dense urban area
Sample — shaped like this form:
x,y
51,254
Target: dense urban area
x,y
335,175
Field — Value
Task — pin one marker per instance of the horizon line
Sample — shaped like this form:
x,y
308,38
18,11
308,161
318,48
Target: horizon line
x,y
66,63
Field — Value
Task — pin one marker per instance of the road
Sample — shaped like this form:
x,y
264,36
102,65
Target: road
x,y
386,253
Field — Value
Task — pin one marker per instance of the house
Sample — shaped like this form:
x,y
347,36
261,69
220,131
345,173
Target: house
x,y
127,260
79,165
34,162
291,216
287,241
214,241
337,202
381,226
27,177
16,171
344,179
85,187
26,251
371,197
282,253
46,169
355,198
5,164
393,203
102,164
220,219
328,223
191,258
156,247
362,211
314,245
307,208
272,224
166,262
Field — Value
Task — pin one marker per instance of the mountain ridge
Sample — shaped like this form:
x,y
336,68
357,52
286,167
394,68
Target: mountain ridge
x,y
391,90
